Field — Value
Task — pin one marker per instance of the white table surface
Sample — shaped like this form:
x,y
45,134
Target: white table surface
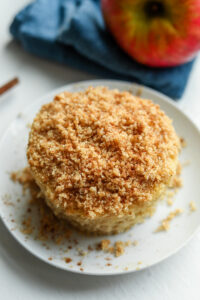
x,y
22,276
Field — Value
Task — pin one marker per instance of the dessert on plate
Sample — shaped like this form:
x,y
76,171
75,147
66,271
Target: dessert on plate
x,y
102,158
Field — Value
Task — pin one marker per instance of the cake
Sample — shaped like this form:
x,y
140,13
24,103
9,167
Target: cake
x,y
102,158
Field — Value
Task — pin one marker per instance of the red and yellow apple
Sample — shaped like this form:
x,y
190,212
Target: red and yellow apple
x,y
156,33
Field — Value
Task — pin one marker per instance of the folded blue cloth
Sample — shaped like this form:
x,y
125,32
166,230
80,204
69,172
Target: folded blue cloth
x,y
73,32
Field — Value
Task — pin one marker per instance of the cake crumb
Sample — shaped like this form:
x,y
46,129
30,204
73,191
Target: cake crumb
x,y
135,243
108,264
7,200
177,182
183,142
126,269
79,263
170,195
192,205
68,260
186,163
111,249
90,248
104,245
81,269
81,252
49,227
127,243
165,224
108,258
59,240
27,226
50,258
139,262
119,248
162,197
169,201
138,92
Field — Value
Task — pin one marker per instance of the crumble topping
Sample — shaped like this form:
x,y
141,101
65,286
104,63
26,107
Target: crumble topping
x,y
101,151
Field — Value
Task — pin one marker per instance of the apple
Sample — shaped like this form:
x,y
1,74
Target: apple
x,y
158,33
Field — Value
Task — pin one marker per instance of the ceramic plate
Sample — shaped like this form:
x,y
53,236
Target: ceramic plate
x,y
151,247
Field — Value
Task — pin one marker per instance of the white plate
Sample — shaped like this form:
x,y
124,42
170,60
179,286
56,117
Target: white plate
x,y
152,247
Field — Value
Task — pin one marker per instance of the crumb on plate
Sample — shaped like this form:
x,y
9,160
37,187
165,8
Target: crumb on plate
x,y
68,260
193,206
165,224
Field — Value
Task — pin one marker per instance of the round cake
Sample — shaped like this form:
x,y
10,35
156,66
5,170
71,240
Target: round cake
x,y
102,158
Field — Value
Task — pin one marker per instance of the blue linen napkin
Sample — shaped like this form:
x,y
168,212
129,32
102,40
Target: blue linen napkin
x,y
73,32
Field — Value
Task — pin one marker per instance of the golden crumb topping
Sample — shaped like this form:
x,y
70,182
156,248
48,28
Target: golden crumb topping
x,y
101,151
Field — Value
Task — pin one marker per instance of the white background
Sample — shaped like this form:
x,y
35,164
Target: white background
x,y
22,276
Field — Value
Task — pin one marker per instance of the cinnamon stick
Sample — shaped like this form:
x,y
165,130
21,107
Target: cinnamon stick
x,y
7,86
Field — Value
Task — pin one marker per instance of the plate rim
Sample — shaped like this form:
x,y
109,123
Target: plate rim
x,y
86,83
